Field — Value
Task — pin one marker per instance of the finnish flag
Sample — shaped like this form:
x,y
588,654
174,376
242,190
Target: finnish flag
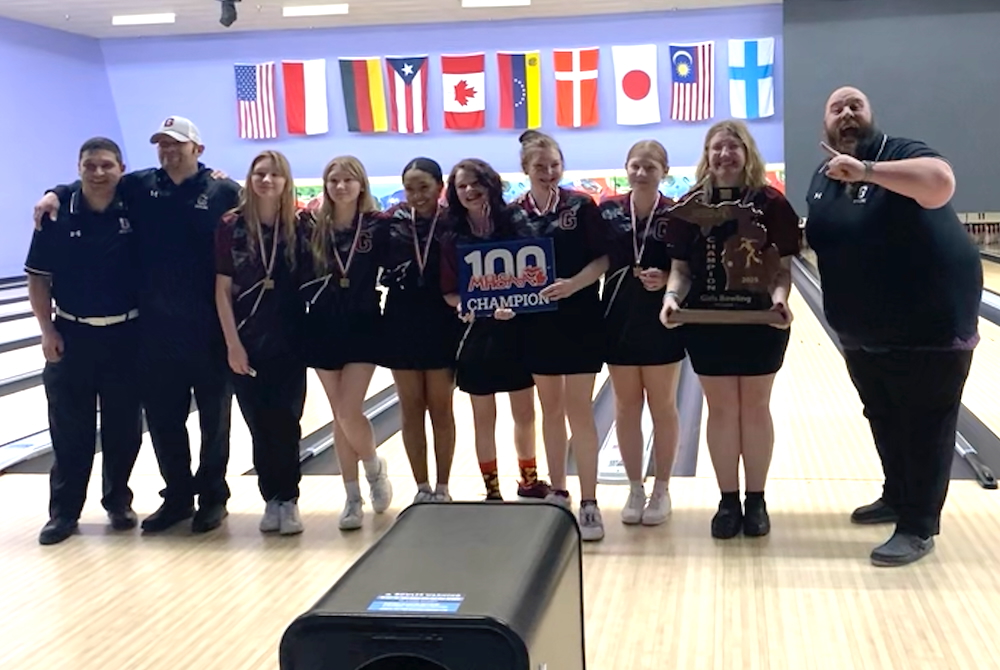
x,y
751,78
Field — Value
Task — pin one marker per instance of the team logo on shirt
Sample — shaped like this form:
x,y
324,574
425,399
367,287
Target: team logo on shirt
x,y
124,226
202,202
862,195
567,219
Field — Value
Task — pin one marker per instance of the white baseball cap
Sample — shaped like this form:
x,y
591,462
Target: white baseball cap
x,y
178,128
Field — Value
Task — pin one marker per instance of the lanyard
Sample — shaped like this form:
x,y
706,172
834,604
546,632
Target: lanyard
x,y
550,204
636,249
345,282
268,264
422,260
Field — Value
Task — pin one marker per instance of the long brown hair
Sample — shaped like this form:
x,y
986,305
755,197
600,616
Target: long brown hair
x,y
532,141
249,207
322,231
754,172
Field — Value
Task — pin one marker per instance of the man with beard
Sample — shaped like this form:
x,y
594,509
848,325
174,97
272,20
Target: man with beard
x,y
902,283
175,210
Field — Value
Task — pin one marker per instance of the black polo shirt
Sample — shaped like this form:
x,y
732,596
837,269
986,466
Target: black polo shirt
x,y
90,257
175,225
894,274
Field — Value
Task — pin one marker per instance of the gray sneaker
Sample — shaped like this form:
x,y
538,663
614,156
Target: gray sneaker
x,y
271,521
290,522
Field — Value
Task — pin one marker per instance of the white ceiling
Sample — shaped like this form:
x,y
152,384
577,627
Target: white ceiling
x,y
93,17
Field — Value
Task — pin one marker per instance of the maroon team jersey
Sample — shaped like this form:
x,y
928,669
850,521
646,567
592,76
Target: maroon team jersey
x,y
702,251
645,238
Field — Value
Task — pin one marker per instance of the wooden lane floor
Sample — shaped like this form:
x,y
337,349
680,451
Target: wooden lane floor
x,y
803,598
991,274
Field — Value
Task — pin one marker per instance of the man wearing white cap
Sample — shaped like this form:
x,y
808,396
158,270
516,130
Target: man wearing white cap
x,y
174,210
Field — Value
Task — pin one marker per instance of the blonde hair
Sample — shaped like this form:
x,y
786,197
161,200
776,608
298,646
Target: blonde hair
x,y
754,172
653,147
532,142
249,206
324,216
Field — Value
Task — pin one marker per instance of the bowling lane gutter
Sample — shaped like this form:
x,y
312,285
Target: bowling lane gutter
x,y
975,444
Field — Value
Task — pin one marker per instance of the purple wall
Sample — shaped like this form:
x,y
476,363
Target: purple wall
x,y
193,76
55,95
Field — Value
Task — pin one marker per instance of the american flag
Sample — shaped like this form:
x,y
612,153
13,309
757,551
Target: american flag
x,y
255,101
692,68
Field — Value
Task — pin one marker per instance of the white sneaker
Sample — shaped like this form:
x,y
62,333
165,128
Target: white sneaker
x,y
591,522
291,522
271,521
657,510
557,499
632,512
351,517
381,488
423,496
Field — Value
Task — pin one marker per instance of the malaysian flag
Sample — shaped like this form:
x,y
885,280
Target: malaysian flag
x,y
407,93
692,68
255,101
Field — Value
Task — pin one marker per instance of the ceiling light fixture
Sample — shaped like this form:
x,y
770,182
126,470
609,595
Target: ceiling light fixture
x,y
480,4
142,19
315,10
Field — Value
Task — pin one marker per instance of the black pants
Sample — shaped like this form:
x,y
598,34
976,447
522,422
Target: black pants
x,y
98,367
272,405
912,400
167,389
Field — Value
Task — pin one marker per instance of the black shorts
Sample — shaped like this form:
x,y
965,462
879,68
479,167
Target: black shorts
x,y
739,350
331,341
566,341
633,334
490,358
420,331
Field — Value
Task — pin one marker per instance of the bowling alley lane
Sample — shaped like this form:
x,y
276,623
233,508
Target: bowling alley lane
x,y
991,273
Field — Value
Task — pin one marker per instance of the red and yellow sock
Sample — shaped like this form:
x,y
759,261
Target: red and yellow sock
x,y
491,477
529,470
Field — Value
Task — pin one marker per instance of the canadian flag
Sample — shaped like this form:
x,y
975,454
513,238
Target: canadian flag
x,y
636,93
463,80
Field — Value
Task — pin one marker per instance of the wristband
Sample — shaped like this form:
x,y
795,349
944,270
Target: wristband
x,y
869,167
672,294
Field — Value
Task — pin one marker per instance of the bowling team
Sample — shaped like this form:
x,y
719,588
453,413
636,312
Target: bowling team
x,y
184,284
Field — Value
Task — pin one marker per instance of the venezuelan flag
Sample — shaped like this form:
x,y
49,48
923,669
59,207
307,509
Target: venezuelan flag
x,y
364,95
520,90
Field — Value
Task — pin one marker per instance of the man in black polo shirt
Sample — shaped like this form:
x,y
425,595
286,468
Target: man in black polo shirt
x,y
902,283
175,210
86,262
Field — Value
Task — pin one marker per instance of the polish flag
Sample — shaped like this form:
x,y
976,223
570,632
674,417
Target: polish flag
x,y
306,111
636,92
463,80
576,87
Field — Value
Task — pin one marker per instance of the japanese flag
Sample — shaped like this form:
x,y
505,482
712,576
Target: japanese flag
x,y
637,95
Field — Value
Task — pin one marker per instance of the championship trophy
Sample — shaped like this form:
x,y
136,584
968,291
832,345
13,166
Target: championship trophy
x,y
751,263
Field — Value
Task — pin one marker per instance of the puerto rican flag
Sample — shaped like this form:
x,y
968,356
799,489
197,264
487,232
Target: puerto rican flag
x,y
407,93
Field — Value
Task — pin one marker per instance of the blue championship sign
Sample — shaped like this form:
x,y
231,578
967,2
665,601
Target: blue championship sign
x,y
511,274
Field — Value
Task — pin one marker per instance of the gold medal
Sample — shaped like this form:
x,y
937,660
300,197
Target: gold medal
x,y
636,271
268,284
345,282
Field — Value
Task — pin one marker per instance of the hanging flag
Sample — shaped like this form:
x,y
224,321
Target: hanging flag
x,y
576,87
364,94
306,111
692,69
637,95
520,90
255,101
463,79
751,78
407,93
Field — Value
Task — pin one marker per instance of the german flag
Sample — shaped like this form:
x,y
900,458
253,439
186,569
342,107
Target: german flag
x,y
364,94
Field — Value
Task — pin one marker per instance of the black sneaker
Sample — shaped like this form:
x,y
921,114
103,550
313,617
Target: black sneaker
x,y
901,549
165,518
56,531
756,522
874,513
123,520
208,518
728,521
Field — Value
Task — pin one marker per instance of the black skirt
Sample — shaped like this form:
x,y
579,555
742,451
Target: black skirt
x,y
420,331
737,350
633,334
567,341
491,358
331,341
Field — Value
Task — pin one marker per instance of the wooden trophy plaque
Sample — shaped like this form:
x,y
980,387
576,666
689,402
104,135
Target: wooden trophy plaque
x,y
751,263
